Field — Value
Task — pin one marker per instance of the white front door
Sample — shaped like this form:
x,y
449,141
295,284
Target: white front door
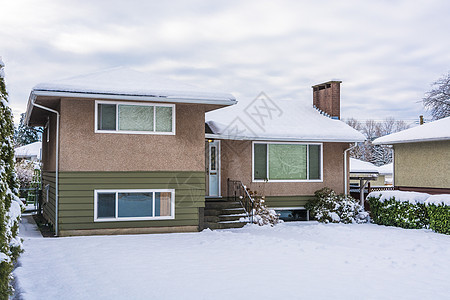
x,y
214,168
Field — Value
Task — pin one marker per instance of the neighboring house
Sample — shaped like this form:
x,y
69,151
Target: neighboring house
x,y
421,157
363,174
29,152
125,153
283,150
385,176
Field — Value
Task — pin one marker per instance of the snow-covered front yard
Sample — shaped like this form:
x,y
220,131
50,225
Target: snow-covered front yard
x,y
290,261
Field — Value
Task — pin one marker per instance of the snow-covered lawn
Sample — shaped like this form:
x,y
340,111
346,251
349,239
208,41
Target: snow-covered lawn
x,y
290,261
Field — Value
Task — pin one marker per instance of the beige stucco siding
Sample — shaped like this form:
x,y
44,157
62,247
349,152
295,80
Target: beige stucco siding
x,y
49,148
81,149
236,159
422,164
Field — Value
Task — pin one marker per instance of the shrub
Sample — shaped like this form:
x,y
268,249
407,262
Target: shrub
x,y
392,212
263,215
438,208
329,207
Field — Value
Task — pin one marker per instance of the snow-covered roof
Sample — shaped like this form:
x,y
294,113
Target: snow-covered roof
x,y
387,169
280,120
434,131
359,166
30,150
127,82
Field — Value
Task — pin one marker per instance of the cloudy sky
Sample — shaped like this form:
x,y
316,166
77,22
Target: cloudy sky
x,y
387,53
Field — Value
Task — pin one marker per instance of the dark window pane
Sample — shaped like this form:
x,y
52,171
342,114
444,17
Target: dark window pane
x,y
106,205
314,161
135,205
106,117
260,161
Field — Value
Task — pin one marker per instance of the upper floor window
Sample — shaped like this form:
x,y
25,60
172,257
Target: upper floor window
x,y
141,118
287,162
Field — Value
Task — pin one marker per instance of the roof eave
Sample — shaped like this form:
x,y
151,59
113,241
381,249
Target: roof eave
x,y
278,139
410,141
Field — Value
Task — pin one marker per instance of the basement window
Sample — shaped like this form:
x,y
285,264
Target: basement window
x,y
134,118
134,205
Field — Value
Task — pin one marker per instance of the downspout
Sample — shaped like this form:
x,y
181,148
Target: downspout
x,y
33,98
345,168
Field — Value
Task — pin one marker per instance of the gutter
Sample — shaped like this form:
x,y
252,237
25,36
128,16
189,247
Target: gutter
x,y
345,168
32,102
278,139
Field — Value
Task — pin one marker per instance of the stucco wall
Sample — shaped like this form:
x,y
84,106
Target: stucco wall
x,y
236,159
81,149
49,148
422,164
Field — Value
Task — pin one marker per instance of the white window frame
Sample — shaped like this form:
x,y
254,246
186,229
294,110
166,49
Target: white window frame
x,y
117,218
117,103
287,180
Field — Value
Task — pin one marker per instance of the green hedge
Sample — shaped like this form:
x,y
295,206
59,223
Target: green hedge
x,y
439,218
407,215
400,214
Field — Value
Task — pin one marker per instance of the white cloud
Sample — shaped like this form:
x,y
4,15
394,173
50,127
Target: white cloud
x,y
386,52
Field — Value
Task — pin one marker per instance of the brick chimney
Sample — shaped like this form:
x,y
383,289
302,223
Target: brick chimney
x,y
327,98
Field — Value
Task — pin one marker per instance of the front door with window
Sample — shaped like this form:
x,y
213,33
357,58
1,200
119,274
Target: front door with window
x,y
213,168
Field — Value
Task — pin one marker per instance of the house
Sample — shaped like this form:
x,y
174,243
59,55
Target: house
x,y
285,149
29,152
385,176
127,153
421,157
122,152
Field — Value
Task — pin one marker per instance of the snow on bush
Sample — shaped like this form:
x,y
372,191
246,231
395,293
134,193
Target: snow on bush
x,y
263,215
411,210
328,207
10,210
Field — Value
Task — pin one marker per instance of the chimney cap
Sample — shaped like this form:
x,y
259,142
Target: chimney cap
x,y
331,81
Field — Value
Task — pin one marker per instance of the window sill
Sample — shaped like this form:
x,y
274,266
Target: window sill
x,y
293,180
135,132
134,219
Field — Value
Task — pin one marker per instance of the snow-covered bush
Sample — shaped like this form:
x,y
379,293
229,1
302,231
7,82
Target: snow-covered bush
x,y
263,215
10,209
329,207
24,172
401,209
438,208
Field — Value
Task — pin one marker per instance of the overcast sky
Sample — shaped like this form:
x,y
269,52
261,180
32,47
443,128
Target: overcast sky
x,y
387,53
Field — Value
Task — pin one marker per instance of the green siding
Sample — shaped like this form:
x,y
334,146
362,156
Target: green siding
x,y
287,201
76,197
48,208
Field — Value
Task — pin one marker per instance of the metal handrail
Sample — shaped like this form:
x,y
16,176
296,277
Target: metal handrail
x,y
246,200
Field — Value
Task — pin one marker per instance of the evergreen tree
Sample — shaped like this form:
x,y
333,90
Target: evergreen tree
x,y
25,134
10,244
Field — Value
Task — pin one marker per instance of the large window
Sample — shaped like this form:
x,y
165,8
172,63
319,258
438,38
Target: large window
x,y
129,205
287,162
135,118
